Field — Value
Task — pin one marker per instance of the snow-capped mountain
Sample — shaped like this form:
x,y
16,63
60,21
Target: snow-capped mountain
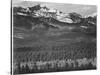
x,y
38,11
91,15
58,15
42,18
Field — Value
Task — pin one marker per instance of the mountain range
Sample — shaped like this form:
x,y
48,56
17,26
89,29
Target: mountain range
x,y
37,19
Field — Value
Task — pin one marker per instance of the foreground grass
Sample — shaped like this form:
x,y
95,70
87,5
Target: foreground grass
x,y
77,56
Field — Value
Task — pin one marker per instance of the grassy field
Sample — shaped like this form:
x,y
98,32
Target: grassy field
x,y
46,54
47,51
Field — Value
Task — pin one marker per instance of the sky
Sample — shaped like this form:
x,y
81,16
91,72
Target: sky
x,y
83,10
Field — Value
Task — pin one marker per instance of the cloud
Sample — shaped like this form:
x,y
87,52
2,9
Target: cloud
x,y
86,8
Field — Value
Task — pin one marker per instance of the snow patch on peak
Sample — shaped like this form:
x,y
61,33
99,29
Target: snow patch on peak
x,y
91,15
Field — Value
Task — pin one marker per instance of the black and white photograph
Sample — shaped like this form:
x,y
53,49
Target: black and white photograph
x,y
53,37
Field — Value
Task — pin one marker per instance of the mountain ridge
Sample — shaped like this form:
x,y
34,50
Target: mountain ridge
x,y
27,19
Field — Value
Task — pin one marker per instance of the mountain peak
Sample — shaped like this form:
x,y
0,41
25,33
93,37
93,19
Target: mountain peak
x,y
43,11
92,15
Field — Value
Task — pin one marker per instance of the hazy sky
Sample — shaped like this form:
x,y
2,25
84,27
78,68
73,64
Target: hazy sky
x,y
84,10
